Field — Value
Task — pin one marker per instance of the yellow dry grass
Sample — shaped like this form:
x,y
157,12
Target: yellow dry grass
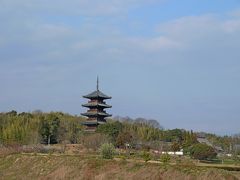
x,y
36,166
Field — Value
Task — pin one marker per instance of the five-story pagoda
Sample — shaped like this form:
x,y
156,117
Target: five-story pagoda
x,y
96,113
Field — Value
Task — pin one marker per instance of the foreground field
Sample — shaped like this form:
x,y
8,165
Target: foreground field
x,y
39,166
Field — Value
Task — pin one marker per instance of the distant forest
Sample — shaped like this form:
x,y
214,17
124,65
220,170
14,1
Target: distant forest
x,y
57,127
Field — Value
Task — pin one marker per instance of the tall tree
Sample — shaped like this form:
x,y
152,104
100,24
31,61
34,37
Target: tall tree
x,y
49,128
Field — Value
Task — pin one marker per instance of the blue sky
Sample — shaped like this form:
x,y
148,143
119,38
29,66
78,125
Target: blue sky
x,y
170,60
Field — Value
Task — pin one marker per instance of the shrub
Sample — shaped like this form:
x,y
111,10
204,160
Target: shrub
x,y
202,151
107,150
146,156
165,158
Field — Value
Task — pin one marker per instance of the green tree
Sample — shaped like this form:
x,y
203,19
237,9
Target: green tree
x,y
202,151
123,138
34,128
49,128
189,138
112,129
175,146
12,113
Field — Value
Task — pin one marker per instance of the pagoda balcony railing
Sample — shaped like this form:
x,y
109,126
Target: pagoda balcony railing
x,y
96,101
95,119
96,111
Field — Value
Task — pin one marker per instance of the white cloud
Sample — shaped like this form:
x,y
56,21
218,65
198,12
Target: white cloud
x,y
161,43
206,30
195,27
153,44
235,13
231,26
93,39
49,32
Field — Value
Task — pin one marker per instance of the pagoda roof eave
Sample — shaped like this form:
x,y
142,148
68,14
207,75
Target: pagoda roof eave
x,y
90,123
96,114
96,105
97,94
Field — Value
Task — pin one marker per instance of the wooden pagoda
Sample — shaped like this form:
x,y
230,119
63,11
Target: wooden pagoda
x,y
96,113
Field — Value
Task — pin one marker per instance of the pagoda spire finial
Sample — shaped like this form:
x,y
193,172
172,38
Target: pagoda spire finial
x,y
97,84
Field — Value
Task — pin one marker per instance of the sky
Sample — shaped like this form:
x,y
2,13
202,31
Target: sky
x,y
174,61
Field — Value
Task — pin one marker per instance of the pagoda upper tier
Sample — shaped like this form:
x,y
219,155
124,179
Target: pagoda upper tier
x,y
97,95
96,113
96,104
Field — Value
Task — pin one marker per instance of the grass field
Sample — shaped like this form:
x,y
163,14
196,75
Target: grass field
x,y
53,166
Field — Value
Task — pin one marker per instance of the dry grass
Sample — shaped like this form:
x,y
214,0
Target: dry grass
x,y
36,166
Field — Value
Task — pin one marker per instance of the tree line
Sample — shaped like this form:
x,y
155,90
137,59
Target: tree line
x,y
39,127
57,127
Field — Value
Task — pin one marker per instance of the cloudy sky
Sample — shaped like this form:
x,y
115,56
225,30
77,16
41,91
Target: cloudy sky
x,y
170,60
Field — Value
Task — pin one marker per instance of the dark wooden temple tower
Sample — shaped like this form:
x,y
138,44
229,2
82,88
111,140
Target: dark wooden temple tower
x,y
96,113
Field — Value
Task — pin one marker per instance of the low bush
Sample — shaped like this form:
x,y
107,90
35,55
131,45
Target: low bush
x,y
146,156
165,158
107,150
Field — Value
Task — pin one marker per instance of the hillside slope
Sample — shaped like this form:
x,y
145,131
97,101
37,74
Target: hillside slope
x,y
36,166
